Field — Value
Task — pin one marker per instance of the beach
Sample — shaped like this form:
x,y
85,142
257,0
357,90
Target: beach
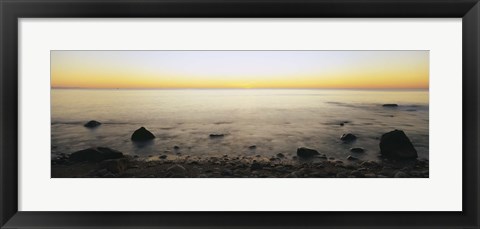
x,y
278,166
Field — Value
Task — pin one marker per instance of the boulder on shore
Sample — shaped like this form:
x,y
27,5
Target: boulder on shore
x,y
303,152
348,137
96,154
142,134
92,124
395,144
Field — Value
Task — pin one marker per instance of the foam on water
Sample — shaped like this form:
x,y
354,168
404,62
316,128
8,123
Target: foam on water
x,y
275,120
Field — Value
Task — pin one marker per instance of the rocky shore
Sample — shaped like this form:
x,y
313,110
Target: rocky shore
x,y
397,159
279,166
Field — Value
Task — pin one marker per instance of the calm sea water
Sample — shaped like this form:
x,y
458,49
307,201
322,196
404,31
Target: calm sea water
x,y
275,120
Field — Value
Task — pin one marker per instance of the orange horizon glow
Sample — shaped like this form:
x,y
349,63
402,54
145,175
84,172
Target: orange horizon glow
x,y
240,69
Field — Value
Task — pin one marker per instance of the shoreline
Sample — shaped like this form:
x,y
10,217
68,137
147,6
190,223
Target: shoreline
x,y
184,166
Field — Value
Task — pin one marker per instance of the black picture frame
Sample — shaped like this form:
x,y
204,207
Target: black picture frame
x,y
12,10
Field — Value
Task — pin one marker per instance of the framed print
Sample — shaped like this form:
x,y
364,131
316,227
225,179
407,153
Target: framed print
x,y
258,114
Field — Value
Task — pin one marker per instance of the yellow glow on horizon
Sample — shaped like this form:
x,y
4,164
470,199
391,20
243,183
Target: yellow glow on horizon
x,y
76,72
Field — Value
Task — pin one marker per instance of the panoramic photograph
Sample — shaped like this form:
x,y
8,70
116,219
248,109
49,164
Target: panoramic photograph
x,y
239,114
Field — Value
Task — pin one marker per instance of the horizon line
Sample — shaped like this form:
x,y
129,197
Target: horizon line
x,y
236,88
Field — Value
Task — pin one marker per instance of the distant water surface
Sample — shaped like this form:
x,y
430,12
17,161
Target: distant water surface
x,y
275,120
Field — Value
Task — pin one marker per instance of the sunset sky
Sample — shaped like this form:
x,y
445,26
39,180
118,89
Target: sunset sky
x,y
240,69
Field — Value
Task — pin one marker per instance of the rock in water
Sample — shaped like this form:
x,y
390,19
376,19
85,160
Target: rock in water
x,y
395,144
217,135
92,124
95,154
306,152
142,134
390,105
348,137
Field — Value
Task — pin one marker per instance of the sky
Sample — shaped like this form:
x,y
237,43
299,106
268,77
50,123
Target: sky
x,y
240,69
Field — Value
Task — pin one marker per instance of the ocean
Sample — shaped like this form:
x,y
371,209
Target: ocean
x,y
274,120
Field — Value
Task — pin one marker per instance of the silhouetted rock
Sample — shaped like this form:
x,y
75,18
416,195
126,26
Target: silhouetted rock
x,y
217,135
252,147
95,154
395,144
92,124
142,134
306,152
280,155
390,105
357,150
348,137
176,147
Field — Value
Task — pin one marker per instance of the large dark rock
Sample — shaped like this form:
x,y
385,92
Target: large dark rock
x,y
395,144
92,124
217,135
95,154
348,137
390,105
142,134
306,152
